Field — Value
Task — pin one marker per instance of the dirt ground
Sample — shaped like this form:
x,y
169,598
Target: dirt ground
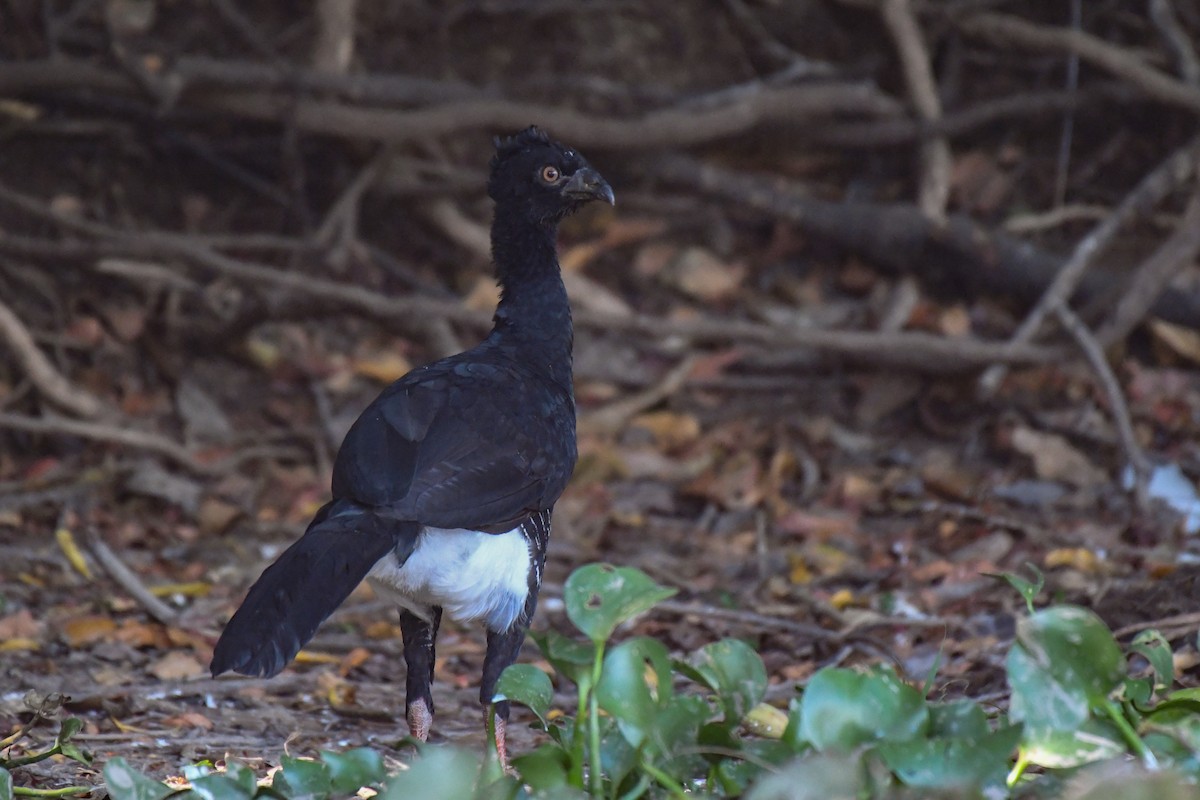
x,y
780,349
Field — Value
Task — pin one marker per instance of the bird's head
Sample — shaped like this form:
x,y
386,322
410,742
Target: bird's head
x,y
542,179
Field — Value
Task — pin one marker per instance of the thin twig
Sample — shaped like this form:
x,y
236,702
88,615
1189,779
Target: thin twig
x,y
1154,274
1109,57
615,415
1156,185
935,155
44,375
129,581
1162,14
1119,409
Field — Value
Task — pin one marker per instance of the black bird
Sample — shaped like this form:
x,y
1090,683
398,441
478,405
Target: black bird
x,y
444,487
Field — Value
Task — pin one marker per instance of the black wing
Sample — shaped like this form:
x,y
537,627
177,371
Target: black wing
x,y
462,443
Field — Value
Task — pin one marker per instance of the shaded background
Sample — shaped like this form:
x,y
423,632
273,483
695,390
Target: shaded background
x,y
225,226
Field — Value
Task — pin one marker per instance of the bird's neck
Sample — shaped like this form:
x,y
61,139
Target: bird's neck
x,y
533,315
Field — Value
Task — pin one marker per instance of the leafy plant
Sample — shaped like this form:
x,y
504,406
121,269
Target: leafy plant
x,y
42,708
649,725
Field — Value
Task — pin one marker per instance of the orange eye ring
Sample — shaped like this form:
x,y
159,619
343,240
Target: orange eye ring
x,y
550,173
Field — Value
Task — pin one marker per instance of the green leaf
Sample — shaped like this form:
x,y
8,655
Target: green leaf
x,y
570,658
6,784
301,779
70,727
599,597
220,787
1187,700
1064,661
953,763
354,769
961,718
815,776
842,709
733,670
1028,590
440,773
126,783
242,775
635,685
1154,647
1093,740
527,685
543,769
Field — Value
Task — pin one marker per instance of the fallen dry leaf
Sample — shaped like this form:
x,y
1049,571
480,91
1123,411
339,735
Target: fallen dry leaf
x,y
189,719
19,624
85,630
1054,459
175,666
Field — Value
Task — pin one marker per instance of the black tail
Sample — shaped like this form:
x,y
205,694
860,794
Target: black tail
x,y
304,586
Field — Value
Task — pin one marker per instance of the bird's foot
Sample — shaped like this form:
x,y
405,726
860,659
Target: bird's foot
x,y
420,720
501,742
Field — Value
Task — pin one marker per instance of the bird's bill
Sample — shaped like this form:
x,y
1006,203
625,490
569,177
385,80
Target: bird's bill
x,y
586,184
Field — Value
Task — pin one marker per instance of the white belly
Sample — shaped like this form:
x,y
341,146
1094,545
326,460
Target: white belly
x,y
471,575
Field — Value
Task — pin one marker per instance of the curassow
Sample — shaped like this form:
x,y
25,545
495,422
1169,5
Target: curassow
x,y
444,487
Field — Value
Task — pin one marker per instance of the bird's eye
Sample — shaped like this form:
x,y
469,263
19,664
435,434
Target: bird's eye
x,y
550,173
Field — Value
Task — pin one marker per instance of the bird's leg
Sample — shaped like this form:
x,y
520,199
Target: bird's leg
x,y
419,636
502,649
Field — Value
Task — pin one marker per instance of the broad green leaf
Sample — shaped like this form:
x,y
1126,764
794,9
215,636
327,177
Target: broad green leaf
x,y
599,597
354,769
126,783
242,775
814,776
953,763
842,709
6,784
70,727
220,787
673,736
635,685
734,775
962,719
733,670
1028,590
1183,699
301,779
1064,661
570,658
617,756
1127,782
439,773
527,685
543,769
1093,740
1154,647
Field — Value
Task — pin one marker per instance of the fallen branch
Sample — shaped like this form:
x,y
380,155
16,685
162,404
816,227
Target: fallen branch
x,y
1112,58
962,258
130,582
793,107
41,372
1151,190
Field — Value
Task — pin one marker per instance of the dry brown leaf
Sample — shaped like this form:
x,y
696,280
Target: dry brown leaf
x,y
383,367
140,634
670,430
19,624
1182,341
1054,459
353,660
189,719
1078,558
701,275
176,666
85,630
215,515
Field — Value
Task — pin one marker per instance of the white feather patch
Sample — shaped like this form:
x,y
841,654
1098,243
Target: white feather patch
x,y
471,575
